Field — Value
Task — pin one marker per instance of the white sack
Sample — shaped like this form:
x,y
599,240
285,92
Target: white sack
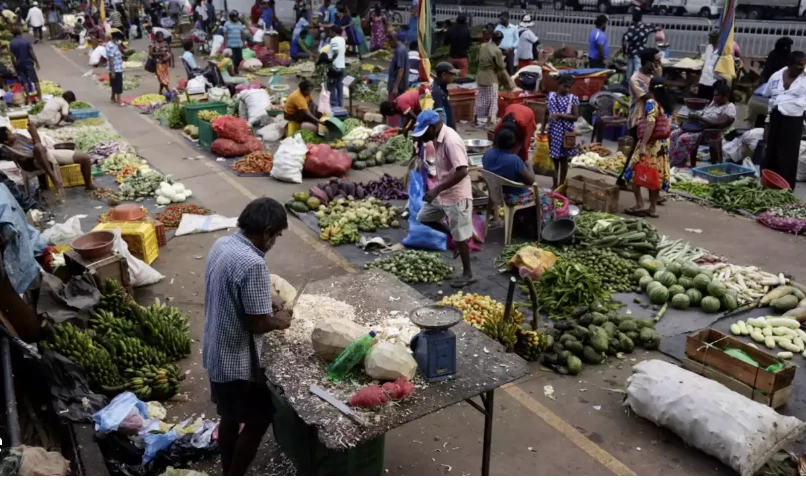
x,y
289,159
256,102
204,223
740,432
733,150
272,132
141,274
801,175
64,233
218,43
197,84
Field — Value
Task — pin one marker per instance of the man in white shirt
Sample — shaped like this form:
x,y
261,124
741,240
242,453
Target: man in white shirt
x,y
36,20
705,89
787,93
510,41
526,42
56,110
337,50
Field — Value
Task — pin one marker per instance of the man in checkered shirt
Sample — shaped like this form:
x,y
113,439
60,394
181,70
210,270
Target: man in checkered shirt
x,y
238,310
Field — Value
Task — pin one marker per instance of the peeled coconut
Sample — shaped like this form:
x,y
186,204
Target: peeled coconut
x,y
390,361
330,337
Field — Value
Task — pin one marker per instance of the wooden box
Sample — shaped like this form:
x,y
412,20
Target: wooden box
x,y
704,355
112,266
592,194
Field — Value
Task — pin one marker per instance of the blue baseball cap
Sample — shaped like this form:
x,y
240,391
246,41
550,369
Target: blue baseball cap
x,y
425,119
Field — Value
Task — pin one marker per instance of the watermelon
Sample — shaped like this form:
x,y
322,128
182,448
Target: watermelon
x,y
658,295
694,296
731,300
665,277
652,285
359,165
690,270
680,301
710,304
701,282
716,288
644,282
675,268
685,282
676,290
639,274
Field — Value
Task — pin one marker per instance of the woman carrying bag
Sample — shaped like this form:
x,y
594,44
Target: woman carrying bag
x,y
649,165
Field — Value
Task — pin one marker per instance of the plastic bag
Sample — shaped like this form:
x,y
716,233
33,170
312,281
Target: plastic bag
x,y
218,42
157,442
322,162
324,101
109,418
273,132
420,236
140,273
257,37
232,128
196,85
740,432
217,94
228,148
131,424
540,158
533,259
191,223
255,103
63,233
289,160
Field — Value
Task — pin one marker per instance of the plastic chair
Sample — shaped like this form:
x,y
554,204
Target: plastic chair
x,y
495,189
602,103
27,176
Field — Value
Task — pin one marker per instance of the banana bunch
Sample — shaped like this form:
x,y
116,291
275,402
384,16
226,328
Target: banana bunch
x,y
131,352
116,300
166,329
531,344
77,345
504,333
150,382
105,323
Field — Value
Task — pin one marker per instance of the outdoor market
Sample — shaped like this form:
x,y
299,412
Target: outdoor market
x,y
457,218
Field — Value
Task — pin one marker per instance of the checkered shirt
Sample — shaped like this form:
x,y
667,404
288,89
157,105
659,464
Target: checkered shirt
x,y
237,284
114,57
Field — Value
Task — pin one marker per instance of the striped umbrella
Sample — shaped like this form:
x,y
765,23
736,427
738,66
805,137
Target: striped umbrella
x,y
424,34
725,66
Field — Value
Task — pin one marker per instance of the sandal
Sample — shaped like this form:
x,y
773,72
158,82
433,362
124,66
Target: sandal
x,y
661,200
463,282
650,214
635,211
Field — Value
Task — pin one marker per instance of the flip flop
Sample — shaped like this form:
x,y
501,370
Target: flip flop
x,y
635,212
463,282
650,214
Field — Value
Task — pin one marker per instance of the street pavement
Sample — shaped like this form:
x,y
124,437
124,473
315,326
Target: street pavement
x,y
581,430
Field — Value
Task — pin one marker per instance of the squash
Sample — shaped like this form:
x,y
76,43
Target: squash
x,y
785,303
644,282
330,337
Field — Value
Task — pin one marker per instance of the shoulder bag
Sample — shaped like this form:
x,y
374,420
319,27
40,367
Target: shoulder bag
x,y
662,128
151,64
569,138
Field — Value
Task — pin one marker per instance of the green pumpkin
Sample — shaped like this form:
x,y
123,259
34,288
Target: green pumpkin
x,y
658,295
639,274
701,282
675,290
680,301
694,296
710,304
675,268
717,288
685,282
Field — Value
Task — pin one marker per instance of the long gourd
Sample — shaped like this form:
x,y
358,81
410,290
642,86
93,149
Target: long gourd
x,y
783,322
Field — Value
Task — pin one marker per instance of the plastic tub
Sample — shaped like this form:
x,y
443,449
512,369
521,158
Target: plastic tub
x,y
771,179
732,173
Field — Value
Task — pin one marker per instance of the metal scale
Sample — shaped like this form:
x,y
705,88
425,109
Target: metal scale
x,y
435,346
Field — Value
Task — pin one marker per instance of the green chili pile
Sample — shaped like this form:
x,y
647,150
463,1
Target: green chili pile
x,y
747,194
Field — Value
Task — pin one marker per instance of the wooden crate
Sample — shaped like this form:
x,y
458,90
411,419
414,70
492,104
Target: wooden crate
x,y
112,266
592,194
705,356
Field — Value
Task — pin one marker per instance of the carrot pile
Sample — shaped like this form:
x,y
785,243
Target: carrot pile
x,y
255,162
172,215
125,172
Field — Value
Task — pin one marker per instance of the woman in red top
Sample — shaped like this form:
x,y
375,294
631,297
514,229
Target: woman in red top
x,y
256,12
526,126
407,105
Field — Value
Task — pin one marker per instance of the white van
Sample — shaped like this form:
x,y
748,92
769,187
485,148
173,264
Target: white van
x,y
700,8
602,6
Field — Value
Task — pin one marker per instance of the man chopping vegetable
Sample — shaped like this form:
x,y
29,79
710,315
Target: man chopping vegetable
x,y
452,196
238,310
407,105
300,110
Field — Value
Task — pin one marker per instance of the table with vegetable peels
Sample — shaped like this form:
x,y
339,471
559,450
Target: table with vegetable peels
x,y
482,367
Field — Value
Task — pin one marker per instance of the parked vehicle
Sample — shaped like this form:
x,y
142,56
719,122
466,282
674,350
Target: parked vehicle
x,y
602,6
700,8
768,9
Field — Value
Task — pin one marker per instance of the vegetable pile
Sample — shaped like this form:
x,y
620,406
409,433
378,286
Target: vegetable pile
x,y
101,151
566,286
614,270
91,136
208,115
310,137
747,194
341,221
148,99
125,172
594,333
386,188
774,332
78,104
138,57
630,237
398,149
192,131
37,108
679,251
172,113
786,224
477,309
613,163
91,122
359,133
255,162
50,88
698,189
795,210
172,215
142,183
351,124
414,266
172,193
365,154
117,161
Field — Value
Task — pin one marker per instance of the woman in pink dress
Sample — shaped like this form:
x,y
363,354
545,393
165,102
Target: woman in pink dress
x,y
378,23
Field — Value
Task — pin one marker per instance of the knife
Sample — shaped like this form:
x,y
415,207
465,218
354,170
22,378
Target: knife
x,y
301,288
347,411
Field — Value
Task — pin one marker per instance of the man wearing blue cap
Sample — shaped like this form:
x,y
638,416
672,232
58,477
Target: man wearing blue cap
x,y
452,196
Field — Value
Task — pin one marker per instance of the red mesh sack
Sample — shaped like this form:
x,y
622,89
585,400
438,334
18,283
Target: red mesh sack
x,y
229,148
253,144
230,127
182,84
399,389
322,162
369,397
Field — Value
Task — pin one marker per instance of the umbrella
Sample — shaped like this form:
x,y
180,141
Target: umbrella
x,y
725,66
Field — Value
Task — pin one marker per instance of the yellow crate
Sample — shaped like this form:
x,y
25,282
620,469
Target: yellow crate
x,y
71,176
141,237
20,123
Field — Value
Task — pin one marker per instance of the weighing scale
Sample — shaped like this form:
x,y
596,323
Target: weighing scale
x,y
435,346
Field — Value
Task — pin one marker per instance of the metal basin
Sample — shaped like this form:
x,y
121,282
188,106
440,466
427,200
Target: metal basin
x,y
477,145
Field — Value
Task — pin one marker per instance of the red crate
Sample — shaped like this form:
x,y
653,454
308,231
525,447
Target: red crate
x,y
506,99
586,86
159,227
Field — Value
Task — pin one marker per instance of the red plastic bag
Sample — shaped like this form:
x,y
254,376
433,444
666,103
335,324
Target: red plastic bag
x,y
322,162
230,127
369,397
182,84
229,148
645,175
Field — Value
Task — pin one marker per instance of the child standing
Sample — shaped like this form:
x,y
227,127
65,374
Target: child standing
x,y
563,110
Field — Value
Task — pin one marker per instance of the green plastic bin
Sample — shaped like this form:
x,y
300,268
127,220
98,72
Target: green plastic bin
x,y
206,134
301,443
192,110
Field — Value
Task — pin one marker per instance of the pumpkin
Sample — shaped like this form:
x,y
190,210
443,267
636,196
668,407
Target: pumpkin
x,y
650,265
694,296
680,301
359,165
710,304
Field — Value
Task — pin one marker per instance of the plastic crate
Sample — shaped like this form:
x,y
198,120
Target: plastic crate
x,y
192,110
301,443
159,227
71,176
506,99
141,238
732,171
206,134
84,113
585,86
20,123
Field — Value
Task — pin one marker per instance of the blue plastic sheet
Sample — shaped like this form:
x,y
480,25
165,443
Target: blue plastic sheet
x,y
108,419
421,236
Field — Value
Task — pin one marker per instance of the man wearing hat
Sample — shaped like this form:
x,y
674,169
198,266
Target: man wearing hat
x,y
444,74
452,196
526,42
705,89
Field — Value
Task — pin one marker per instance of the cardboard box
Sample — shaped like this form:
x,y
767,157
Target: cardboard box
x,y
705,355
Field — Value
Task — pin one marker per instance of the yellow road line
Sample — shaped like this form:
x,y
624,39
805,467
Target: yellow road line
x,y
568,431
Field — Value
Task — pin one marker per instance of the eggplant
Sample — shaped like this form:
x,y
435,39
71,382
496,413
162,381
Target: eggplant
x,y
359,192
322,185
351,188
330,192
320,194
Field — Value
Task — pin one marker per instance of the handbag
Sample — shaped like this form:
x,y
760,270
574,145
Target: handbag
x,y
644,175
661,131
569,138
151,64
